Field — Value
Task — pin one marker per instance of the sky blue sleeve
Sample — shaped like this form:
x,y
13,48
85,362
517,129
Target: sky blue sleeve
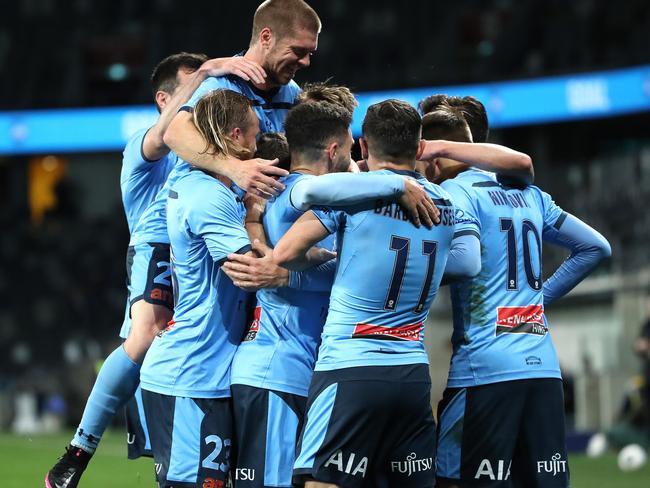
x,y
216,218
318,278
332,220
464,259
588,248
209,84
133,160
467,215
344,189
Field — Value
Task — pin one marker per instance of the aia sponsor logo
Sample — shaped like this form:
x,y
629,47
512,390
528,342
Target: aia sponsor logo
x,y
521,320
352,464
411,465
494,471
254,328
410,332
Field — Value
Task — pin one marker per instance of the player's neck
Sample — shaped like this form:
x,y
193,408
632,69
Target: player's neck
x,y
300,165
452,169
254,53
375,164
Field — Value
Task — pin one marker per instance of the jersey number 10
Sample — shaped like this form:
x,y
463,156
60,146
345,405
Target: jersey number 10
x,y
527,227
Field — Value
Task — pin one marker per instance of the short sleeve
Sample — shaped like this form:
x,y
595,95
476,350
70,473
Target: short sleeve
x,y
332,220
209,84
133,160
554,216
466,213
216,217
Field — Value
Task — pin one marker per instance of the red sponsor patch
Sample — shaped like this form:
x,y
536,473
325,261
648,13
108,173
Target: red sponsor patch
x,y
515,316
409,332
254,327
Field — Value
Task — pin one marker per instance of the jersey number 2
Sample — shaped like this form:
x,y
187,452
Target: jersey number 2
x,y
401,246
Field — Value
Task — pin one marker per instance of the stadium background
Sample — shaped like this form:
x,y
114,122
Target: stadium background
x,y
64,241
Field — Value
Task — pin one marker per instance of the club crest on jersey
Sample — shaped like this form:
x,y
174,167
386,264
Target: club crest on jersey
x,y
254,328
521,320
409,332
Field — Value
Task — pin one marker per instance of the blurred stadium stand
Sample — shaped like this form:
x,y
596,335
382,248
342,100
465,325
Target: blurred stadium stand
x,y
62,280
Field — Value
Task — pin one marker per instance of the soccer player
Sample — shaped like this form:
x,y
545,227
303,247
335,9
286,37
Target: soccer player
x,y
147,162
368,412
273,366
185,376
472,110
501,419
284,36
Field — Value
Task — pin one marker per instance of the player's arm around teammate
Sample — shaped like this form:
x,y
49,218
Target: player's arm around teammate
x,y
284,36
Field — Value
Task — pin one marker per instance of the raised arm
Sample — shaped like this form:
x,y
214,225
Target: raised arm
x,y
153,145
588,248
489,157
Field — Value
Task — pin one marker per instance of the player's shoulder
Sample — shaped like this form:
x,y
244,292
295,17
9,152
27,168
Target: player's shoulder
x,y
198,187
469,182
436,192
224,82
291,90
538,195
133,144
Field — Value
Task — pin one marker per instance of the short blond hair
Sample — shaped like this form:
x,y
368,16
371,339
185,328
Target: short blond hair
x,y
284,17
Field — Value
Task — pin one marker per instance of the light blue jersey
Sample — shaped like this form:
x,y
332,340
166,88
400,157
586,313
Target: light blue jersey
x,y
141,179
152,226
387,277
279,350
192,357
271,107
500,330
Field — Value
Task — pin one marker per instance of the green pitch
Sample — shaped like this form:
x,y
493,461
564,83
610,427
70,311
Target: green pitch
x,y
26,459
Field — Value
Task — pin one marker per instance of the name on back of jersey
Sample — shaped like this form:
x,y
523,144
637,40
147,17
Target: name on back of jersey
x,y
393,210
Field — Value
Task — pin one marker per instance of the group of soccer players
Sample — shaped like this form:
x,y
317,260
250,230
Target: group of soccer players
x,y
273,335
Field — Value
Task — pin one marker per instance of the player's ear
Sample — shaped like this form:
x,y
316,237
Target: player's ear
x,y
235,134
421,147
332,149
266,37
364,148
161,98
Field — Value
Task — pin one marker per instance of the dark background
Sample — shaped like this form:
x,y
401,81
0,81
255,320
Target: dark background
x,y
62,289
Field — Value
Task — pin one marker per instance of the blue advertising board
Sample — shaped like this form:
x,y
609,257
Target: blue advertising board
x,y
509,104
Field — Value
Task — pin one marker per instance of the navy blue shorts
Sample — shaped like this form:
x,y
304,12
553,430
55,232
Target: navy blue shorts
x,y
369,426
148,278
267,423
503,434
190,439
137,434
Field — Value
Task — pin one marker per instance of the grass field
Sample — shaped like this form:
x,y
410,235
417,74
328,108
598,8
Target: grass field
x,y
26,459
